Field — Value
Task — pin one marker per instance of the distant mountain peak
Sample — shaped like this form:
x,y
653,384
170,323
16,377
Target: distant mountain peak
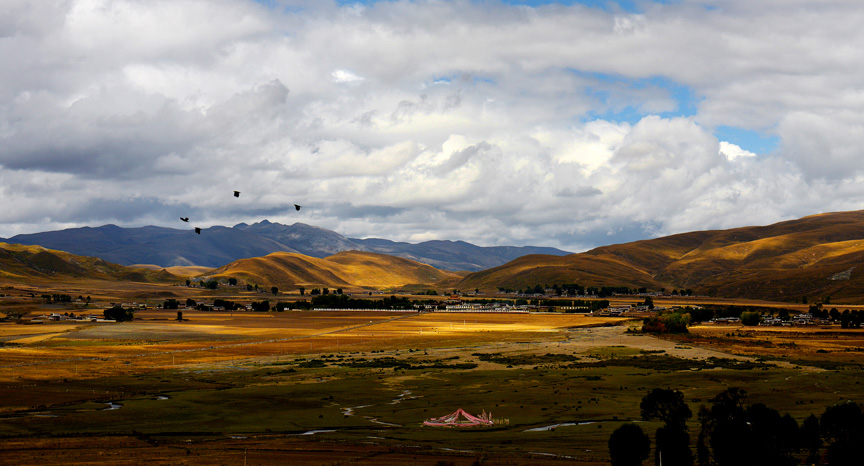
x,y
219,245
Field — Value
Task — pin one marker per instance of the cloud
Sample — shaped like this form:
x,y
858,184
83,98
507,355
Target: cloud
x,y
732,151
344,76
560,125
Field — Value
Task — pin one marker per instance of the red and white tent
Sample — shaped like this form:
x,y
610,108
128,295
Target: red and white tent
x,y
460,419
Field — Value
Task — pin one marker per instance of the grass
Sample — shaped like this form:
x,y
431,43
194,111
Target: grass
x,y
269,379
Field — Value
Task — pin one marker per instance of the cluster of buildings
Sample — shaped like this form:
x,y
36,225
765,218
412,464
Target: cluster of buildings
x,y
54,317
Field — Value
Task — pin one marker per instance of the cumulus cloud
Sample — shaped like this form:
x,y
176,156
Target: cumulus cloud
x,y
558,125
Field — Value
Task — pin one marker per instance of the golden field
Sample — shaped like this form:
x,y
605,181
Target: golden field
x,y
320,387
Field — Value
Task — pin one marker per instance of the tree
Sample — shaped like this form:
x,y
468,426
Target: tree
x,y
843,426
811,438
117,313
720,427
629,446
750,318
649,301
274,290
179,316
232,281
674,322
845,318
263,306
672,440
171,303
302,291
734,434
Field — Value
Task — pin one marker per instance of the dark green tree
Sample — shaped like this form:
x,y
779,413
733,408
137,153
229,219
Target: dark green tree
x,y
119,314
842,425
750,318
263,306
811,439
171,303
734,434
672,440
629,446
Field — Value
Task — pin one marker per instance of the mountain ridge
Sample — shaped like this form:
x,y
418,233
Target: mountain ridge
x,y
219,245
816,256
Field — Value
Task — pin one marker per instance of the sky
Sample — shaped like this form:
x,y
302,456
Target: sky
x,y
571,124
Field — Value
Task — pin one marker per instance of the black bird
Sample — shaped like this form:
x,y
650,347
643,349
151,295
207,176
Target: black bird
x,y
185,219
296,207
197,230
236,193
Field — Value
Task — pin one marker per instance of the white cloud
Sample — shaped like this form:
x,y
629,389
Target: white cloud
x,y
344,76
732,151
444,119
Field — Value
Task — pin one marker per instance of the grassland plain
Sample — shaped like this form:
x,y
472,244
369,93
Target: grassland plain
x,y
354,387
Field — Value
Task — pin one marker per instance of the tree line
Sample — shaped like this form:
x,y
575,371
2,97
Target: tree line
x,y
733,432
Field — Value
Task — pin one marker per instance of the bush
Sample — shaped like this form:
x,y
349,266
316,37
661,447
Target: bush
x,y
119,314
667,323
750,318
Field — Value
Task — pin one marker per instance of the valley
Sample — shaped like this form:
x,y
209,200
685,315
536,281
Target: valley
x,y
206,384
318,387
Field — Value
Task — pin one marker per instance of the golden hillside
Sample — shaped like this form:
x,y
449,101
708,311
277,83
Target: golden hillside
x,y
816,256
343,270
19,262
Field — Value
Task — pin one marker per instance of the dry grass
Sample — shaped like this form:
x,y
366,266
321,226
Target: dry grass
x,y
240,374
351,268
155,340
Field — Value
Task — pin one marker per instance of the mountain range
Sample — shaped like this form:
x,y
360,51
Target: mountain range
x,y
818,257
219,245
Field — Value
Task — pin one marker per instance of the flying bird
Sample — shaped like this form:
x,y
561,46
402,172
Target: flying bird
x,y
296,207
236,193
197,230
185,219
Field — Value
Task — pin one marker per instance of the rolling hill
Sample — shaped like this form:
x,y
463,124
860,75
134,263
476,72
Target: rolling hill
x,y
21,263
217,246
353,269
816,256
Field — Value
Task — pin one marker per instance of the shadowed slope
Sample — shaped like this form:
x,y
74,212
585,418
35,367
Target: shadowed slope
x,y
20,262
817,256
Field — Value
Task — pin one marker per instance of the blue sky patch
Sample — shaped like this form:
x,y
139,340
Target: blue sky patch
x,y
623,99
748,139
